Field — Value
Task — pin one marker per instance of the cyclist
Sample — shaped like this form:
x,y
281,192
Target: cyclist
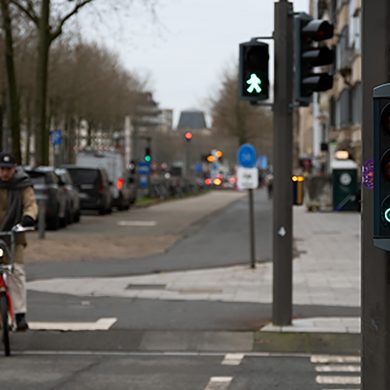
x,y
17,205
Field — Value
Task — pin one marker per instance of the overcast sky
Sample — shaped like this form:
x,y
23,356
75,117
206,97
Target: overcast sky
x,y
185,52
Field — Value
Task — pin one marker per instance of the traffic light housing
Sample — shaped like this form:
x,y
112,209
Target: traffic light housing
x,y
308,54
253,71
148,154
381,98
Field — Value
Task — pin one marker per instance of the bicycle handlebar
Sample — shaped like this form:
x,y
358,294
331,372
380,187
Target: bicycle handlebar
x,y
21,229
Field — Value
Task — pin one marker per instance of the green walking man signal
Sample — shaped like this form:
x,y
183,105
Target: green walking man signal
x,y
253,71
254,84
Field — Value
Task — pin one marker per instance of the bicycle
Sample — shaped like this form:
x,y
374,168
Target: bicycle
x,y
7,254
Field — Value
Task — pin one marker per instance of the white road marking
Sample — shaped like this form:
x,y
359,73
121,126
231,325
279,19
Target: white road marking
x,y
233,359
338,368
137,223
218,383
338,380
101,324
334,359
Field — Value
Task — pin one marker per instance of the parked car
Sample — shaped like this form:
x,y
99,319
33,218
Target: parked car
x,y
46,183
123,188
93,186
73,196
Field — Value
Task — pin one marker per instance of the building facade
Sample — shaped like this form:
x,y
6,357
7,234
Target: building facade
x,y
337,116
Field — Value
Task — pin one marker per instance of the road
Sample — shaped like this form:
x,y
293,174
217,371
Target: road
x,y
195,371
144,340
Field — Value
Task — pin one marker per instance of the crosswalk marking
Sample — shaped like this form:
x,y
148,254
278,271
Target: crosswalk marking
x,y
137,223
338,380
218,383
101,324
336,364
233,359
334,359
338,368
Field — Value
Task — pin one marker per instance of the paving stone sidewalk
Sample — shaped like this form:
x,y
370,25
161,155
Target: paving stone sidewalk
x,y
326,272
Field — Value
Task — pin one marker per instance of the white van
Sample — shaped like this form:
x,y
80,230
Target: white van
x,y
123,189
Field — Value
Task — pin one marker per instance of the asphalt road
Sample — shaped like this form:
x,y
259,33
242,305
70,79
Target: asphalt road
x,y
207,371
219,239
157,344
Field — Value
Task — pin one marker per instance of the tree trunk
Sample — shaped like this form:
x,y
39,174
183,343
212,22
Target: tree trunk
x,y
13,100
41,131
28,131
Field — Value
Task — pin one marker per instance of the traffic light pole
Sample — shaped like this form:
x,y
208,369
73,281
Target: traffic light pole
x,y
375,262
282,165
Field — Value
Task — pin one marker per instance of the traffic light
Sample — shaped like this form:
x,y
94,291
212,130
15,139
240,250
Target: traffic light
x,y
253,71
309,54
381,182
188,136
148,154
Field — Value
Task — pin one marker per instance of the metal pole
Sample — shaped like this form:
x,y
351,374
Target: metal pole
x,y
282,166
375,262
41,216
188,158
252,228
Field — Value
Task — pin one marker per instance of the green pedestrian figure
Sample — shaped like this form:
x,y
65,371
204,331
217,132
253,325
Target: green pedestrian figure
x,y
254,83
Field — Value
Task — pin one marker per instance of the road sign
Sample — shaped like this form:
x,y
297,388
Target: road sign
x,y
247,178
56,137
246,156
143,174
143,168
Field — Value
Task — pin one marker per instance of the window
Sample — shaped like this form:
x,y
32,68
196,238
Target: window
x,y
356,93
332,112
343,109
343,53
355,26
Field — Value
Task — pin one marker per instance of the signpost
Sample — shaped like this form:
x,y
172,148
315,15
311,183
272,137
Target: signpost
x,y
56,141
248,179
143,175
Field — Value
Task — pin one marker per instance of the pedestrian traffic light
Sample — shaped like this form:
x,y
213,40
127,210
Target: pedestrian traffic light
x,y
309,54
148,154
188,136
381,142
253,71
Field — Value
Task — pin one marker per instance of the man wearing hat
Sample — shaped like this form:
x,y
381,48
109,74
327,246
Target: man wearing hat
x,y
17,205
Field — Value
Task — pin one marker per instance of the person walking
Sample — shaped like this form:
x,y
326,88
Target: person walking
x,y
17,205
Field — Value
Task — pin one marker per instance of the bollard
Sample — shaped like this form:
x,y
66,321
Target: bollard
x,y
41,200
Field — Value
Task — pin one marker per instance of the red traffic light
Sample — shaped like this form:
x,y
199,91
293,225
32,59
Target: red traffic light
x,y
318,30
188,136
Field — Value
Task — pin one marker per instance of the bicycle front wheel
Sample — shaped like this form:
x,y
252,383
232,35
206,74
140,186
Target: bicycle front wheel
x,y
5,323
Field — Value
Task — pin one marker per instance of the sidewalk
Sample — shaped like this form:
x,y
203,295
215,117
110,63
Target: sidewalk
x,y
326,273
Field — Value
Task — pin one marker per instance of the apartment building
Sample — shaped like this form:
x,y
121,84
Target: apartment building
x,y
337,117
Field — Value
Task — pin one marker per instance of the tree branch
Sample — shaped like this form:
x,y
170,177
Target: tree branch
x,y
55,33
27,10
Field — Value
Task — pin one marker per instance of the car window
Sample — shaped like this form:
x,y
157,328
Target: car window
x,y
37,177
84,176
38,180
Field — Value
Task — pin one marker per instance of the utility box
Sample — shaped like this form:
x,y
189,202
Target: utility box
x,y
346,190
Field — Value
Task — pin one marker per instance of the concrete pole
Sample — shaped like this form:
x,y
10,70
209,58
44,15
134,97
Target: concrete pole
x,y
375,262
282,164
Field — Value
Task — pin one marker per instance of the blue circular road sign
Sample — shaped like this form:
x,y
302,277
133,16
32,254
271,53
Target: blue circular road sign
x,y
246,156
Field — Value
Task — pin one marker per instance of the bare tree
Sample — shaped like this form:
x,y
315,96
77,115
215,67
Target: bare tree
x,y
12,90
49,28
